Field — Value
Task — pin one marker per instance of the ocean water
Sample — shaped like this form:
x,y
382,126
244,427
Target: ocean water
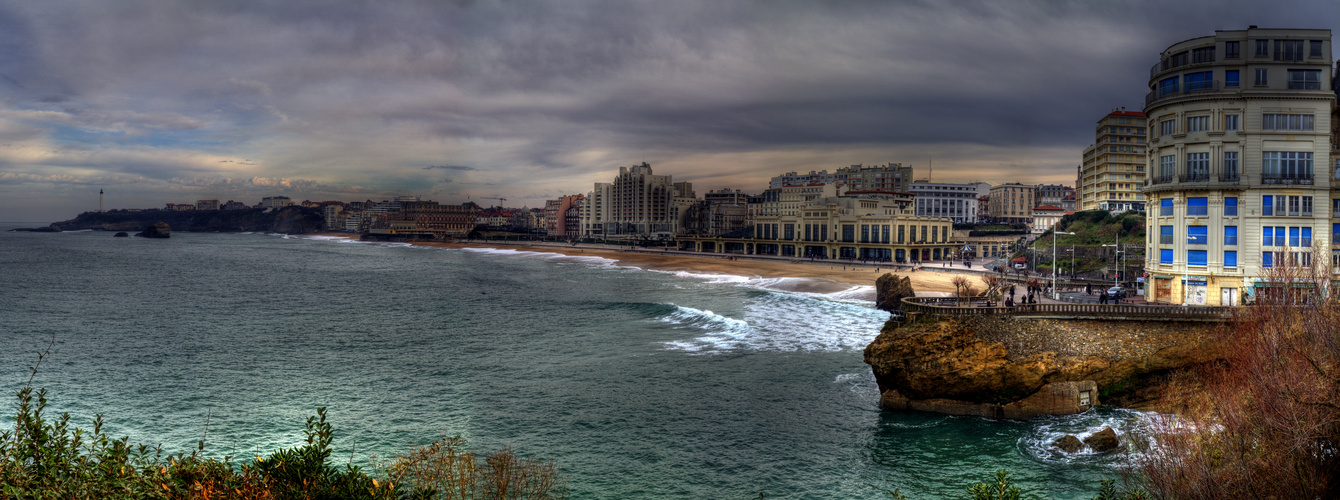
x,y
637,384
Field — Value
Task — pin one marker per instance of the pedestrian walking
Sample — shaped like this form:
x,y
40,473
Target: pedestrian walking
x,y
1102,298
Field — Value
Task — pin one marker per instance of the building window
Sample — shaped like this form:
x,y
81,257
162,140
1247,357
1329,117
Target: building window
x,y
1305,79
1165,235
1167,127
1166,166
1335,233
1262,48
1197,235
1195,257
1231,78
1267,259
1203,80
1286,164
1314,48
1197,206
1197,123
1307,238
1231,206
1293,237
1267,205
1231,123
1203,55
1231,50
1198,166
1261,79
1166,207
1307,206
1293,206
1288,50
1230,258
1230,235
1165,256
1167,86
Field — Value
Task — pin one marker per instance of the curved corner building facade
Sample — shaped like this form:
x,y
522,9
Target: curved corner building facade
x,y
1238,182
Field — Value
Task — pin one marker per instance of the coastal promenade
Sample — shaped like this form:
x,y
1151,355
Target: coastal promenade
x,y
1056,310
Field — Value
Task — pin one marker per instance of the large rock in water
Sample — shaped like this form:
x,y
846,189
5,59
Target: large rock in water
x,y
1103,440
159,230
890,290
963,367
1068,444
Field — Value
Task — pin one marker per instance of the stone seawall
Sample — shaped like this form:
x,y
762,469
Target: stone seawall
x,y
1007,367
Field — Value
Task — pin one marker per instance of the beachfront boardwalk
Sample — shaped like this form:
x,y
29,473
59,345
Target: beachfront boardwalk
x,y
1055,310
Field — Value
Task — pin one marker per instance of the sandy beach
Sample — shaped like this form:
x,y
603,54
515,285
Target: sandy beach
x,y
821,277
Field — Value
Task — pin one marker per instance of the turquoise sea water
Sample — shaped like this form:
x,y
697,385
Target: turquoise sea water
x,y
638,384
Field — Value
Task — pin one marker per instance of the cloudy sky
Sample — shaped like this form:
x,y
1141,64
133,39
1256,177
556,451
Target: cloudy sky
x,y
173,101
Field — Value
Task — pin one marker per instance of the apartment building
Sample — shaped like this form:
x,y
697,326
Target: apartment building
x,y
636,205
1113,172
1237,124
1012,203
893,177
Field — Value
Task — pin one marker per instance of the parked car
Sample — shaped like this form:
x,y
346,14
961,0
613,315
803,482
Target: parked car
x,y
1118,292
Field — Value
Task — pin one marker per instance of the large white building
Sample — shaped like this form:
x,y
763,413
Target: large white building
x,y
1239,141
954,201
636,205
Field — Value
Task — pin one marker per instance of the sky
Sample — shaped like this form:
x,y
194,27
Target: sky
x,y
163,101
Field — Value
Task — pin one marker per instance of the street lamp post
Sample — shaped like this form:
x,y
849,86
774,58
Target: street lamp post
x,y
1056,294
1116,274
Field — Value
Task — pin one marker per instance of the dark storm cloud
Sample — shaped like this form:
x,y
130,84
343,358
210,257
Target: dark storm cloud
x,y
545,95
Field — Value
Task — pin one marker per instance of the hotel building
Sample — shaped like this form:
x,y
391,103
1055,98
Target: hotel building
x,y
1012,203
1239,141
1114,165
636,205
955,201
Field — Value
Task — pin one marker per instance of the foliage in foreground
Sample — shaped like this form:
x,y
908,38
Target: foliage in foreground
x,y
45,458
1266,423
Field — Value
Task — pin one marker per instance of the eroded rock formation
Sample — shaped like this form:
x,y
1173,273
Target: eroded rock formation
x,y
158,230
890,290
964,367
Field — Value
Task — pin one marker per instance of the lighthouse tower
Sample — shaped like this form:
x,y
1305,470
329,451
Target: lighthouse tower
x,y
99,201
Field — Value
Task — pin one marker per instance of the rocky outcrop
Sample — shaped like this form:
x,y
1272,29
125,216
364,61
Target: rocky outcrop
x,y
121,234
890,289
950,366
1068,444
1104,440
158,230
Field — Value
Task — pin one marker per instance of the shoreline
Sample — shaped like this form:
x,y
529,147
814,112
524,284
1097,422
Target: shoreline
x,y
813,277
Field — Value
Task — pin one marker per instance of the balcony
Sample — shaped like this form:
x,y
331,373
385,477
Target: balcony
x,y
1194,177
1287,179
1231,177
1182,90
1167,179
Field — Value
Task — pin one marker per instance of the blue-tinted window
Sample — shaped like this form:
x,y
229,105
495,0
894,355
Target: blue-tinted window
x,y
1165,207
1168,86
1230,235
1267,236
1335,233
1165,256
1307,238
1195,257
1197,235
1199,81
1267,259
1230,206
1230,258
1267,205
1231,78
1279,236
1165,235
1197,206
1293,237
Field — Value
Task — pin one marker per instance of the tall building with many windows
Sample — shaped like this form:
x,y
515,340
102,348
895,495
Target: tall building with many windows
x,y
955,201
1114,165
638,204
1237,122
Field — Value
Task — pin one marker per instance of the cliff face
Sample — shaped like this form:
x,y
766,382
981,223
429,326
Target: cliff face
x,y
1019,368
290,220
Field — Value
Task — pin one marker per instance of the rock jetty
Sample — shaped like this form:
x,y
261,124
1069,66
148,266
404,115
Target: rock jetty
x,y
158,230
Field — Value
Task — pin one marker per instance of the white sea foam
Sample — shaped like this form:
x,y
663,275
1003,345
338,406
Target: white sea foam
x,y
1137,432
784,322
549,256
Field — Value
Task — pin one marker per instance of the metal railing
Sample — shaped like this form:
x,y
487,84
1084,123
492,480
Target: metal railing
x,y
1194,177
976,307
1286,179
1166,179
1181,90
1229,177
